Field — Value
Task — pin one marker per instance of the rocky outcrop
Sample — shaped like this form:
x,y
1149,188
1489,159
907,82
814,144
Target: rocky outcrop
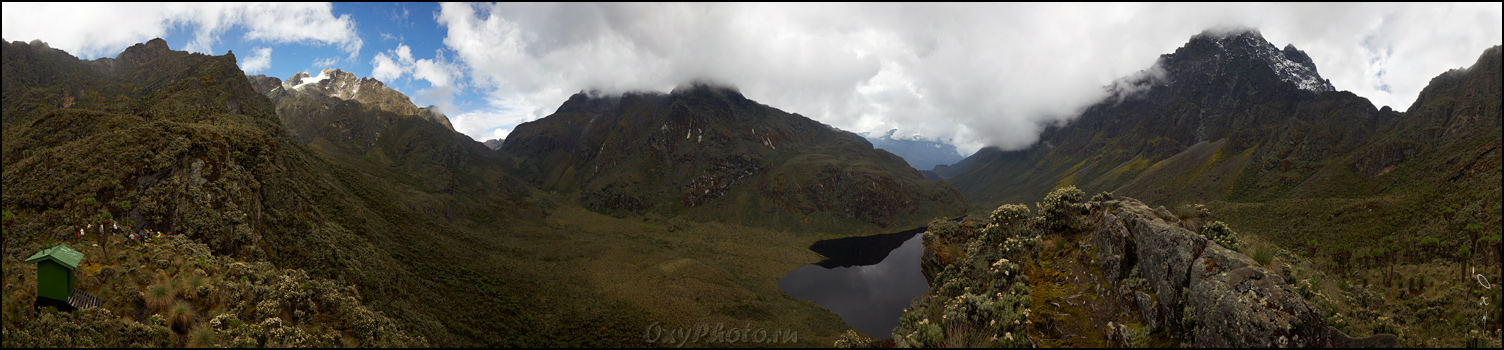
x,y
1200,291
1150,270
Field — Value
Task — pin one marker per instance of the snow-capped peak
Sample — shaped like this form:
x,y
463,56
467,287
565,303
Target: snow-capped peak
x,y
1290,64
1302,75
321,77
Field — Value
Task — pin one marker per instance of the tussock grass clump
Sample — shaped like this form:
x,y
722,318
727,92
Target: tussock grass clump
x,y
1187,211
181,316
201,337
1264,255
159,297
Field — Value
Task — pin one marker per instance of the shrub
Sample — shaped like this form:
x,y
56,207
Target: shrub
x,y
1339,322
943,229
1054,212
1010,214
1223,235
1384,326
1306,289
969,309
1102,197
853,339
915,329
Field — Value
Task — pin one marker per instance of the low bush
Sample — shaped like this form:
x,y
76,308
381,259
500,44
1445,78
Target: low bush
x,y
1223,235
1056,209
853,339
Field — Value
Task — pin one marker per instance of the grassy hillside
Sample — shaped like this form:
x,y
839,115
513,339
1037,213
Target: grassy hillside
x,y
421,225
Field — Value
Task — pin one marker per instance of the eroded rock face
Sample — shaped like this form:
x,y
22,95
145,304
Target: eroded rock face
x,y
1202,292
1240,304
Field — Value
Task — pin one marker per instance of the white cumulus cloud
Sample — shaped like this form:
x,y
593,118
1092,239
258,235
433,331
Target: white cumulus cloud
x,y
383,68
260,59
104,29
968,74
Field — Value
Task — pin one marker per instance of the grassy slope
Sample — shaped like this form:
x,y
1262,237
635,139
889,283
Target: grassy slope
x,y
709,154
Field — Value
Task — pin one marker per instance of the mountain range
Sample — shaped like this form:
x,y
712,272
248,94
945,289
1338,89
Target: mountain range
x,y
1228,118
921,154
621,211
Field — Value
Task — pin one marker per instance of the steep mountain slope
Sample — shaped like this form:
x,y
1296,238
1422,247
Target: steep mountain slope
x,y
1224,123
167,141
181,143
711,154
1357,191
1220,95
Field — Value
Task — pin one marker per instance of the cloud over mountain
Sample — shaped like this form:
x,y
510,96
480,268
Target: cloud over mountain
x,y
974,74
259,60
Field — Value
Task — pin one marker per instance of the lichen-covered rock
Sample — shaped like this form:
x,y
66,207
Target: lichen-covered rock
x,y
1152,270
1240,304
1116,253
1149,312
1165,253
1202,292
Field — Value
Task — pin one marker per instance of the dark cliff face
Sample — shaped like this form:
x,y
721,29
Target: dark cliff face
x,y
712,154
1455,108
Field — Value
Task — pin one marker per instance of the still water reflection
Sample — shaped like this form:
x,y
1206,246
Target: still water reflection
x,y
865,280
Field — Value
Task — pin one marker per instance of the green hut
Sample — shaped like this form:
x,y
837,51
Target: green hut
x,y
55,279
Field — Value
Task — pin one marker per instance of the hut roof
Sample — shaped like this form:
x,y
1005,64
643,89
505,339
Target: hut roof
x,y
61,254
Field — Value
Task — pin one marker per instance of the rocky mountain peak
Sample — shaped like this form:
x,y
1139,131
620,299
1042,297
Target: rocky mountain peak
x,y
1223,50
340,84
494,144
706,87
297,78
140,53
331,82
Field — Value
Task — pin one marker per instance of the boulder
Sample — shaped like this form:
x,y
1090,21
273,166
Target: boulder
x,y
1240,304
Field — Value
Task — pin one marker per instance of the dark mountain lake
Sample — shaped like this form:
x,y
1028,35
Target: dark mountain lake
x,y
868,281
